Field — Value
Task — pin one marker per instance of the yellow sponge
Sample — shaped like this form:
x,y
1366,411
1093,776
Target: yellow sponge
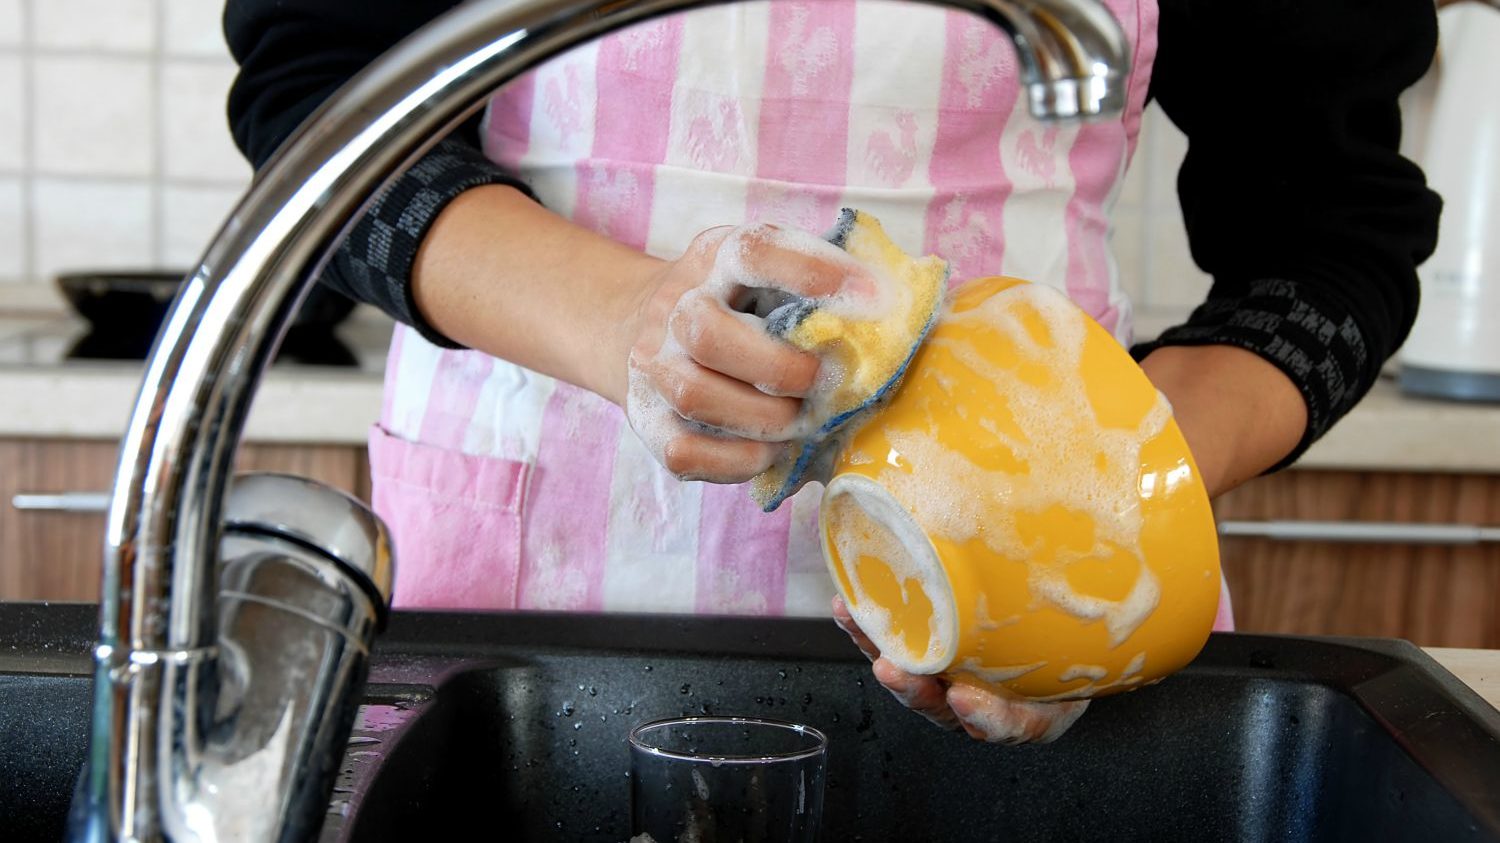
x,y
866,356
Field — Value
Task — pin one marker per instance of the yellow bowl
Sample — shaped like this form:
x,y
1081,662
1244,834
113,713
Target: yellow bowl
x,y
1024,515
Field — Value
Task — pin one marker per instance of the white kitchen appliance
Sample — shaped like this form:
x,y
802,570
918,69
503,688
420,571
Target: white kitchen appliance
x,y
1454,348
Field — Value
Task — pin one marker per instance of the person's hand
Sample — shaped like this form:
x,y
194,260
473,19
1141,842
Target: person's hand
x,y
985,716
710,392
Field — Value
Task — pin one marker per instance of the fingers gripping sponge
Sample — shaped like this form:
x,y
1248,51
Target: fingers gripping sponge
x,y
864,356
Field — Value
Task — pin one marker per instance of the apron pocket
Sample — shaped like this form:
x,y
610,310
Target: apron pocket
x,y
456,523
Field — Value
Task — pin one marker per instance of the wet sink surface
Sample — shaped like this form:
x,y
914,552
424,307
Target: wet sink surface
x,y
515,726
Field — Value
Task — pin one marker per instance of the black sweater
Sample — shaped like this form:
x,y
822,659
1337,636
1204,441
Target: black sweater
x,y
1295,196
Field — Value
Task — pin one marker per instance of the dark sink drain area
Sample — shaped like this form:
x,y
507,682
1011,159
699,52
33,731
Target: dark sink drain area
x,y
514,727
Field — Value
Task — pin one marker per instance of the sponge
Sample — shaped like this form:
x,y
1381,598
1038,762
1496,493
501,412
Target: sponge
x,y
864,357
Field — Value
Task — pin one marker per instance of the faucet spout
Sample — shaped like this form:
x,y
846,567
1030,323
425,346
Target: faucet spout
x,y
1074,58
172,657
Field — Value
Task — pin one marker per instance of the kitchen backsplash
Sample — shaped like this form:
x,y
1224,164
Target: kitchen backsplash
x,y
115,152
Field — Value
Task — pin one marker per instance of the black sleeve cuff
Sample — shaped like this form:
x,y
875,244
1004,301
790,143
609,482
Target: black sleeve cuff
x,y
1316,343
374,263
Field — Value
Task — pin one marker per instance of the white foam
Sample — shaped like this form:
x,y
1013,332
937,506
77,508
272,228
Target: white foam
x,y
1129,676
982,614
865,520
1091,672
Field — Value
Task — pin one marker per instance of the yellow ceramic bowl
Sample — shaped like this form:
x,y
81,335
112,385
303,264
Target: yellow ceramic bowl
x,y
1024,515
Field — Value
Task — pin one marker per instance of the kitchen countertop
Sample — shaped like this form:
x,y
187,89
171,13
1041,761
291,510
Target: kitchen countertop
x,y
1479,669
49,396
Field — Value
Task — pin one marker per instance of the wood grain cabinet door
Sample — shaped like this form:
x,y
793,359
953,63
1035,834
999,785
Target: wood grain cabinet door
x,y
52,554
1426,589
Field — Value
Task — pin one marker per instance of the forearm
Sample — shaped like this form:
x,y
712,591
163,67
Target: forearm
x,y
501,274
1240,414
1312,236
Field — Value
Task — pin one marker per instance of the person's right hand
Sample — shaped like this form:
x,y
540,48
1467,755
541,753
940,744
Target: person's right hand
x,y
984,715
710,392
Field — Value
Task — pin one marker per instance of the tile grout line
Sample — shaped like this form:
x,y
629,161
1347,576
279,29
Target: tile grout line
x,y
158,138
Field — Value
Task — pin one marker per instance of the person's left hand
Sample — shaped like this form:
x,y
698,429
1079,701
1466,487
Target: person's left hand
x,y
984,715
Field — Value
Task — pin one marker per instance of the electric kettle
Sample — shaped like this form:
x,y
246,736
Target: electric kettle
x,y
1454,347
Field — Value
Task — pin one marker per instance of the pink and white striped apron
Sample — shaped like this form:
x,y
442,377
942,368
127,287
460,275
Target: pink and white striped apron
x,y
506,489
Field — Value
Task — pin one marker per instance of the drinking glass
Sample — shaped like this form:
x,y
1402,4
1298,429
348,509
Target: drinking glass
x,y
726,780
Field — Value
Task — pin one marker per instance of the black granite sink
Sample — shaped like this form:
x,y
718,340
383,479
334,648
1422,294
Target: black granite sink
x,y
513,727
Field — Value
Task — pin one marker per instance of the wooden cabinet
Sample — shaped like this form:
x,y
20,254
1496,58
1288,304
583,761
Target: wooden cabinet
x,y
56,555
1434,595
1443,595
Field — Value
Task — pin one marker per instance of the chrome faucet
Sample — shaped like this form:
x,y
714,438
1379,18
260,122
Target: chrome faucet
x,y
237,614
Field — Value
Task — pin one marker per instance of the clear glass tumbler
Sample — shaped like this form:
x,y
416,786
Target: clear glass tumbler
x,y
726,780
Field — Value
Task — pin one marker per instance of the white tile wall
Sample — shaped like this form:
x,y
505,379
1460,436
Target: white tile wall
x,y
195,129
128,25
12,114
191,217
1174,281
114,144
1128,239
11,23
92,116
1171,285
12,230
91,225
193,28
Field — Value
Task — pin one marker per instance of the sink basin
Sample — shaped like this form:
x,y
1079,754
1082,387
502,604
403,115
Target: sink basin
x,y
515,726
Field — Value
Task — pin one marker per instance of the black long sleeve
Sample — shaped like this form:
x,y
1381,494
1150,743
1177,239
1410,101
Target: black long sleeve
x,y
292,57
1295,195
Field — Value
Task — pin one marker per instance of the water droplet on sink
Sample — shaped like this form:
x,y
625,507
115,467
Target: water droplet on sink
x,y
567,708
578,725
781,673
685,689
593,692
807,699
648,668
